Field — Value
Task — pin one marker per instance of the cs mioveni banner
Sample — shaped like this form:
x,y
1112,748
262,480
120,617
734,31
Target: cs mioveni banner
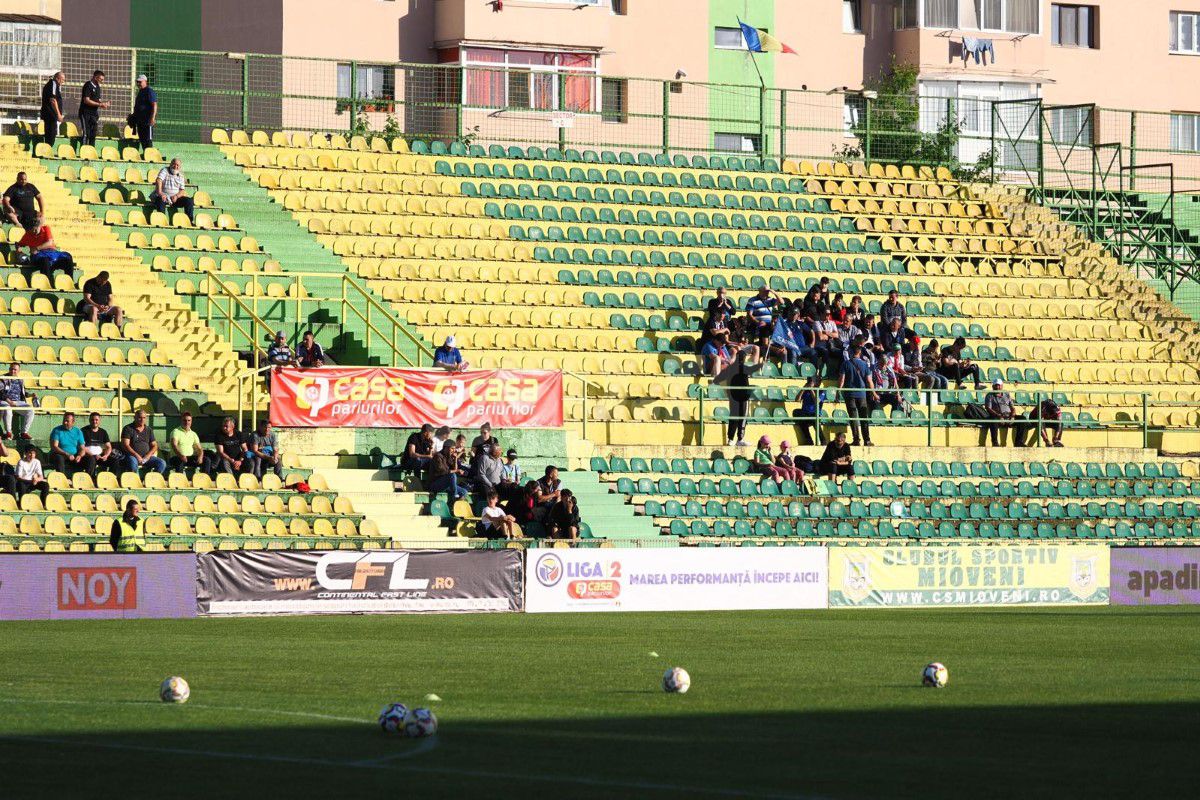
x,y
956,575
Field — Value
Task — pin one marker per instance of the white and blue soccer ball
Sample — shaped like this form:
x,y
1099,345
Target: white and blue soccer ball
x,y
419,723
676,681
935,675
391,718
174,690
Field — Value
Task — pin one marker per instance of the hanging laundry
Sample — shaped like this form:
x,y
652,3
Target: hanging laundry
x,y
973,46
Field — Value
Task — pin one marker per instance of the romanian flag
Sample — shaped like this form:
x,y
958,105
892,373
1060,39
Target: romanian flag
x,y
758,41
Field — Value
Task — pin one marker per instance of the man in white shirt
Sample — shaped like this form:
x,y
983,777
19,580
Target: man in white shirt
x,y
169,189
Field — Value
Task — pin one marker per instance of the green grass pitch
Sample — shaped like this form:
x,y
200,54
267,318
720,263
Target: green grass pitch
x,y
1097,702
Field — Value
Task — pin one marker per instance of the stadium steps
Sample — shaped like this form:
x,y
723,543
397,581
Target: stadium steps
x,y
397,515
606,512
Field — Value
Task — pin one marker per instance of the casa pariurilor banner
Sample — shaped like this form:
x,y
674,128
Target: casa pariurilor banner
x,y
381,397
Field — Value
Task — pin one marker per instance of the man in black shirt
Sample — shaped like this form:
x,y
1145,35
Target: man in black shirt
x,y
23,202
97,296
229,454
418,450
52,107
98,446
90,103
140,448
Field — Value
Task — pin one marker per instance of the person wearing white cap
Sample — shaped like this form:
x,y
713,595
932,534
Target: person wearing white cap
x,y
145,112
448,357
279,354
1000,408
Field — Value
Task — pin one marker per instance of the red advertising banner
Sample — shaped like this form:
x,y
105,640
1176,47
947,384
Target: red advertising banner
x,y
382,397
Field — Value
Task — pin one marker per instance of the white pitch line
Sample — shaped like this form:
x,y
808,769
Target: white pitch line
x,y
419,750
207,706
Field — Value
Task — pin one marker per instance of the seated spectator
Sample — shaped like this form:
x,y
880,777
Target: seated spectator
x,y
786,465
494,521
186,453
140,448
716,320
855,311
418,450
1001,410
279,354
310,354
44,254
764,463
1025,434
8,478
23,203
886,386
486,469
100,452
548,492
484,438
784,336
891,334
717,355
30,477
957,368
511,478
464,461
522,507
892,309
264,447
837,309
13,396
823,291
562,520
441,438
169,190
760,310
827,340
97,298
448,357
811,303
67,452
896,362
442,475
931,360
229,451
837,459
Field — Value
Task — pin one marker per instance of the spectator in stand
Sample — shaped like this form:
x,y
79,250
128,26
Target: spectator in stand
x,y
837,309
894,333
486,469
931,362
855,311
784,336
98,446
264,446
418,450
511,478
886,384
52,107
549,490
145,112
128,534
764,463
8,478
718,356
811,303
823,291
760,309
464,461
13,396
44,254
811,400
858,385
23,203
229,451
140,448
866,330
30,477
442,475
441,438
90,103
279,354
97,298
68,454
562,520
957,368
448,357
716,321
786,465
494,521
169,190
1025,435
310,354
484,438
896,362
523,506
827,341
1001,410
837,459
187,455
739,394
892,309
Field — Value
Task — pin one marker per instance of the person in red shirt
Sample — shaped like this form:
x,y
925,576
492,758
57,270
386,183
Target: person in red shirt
x,y
43,252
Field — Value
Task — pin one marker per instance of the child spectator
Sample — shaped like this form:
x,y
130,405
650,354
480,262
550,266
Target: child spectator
x,y
764,463
30,477
786,465
511,478
494,521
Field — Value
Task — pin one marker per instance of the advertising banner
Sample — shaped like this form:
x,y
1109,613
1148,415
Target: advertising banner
x,y
959,575
347,581
676,579
380,397
97,586
1155,576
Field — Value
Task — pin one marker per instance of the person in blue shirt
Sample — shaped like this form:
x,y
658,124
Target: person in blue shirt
x,y
856,384
761,308
448,357
67,452
145,112
784,335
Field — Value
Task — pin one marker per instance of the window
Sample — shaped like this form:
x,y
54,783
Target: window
x,y
728,39
854,112
1185,132
906,14
614,100
852,16
30,47
1009,16
1073,26
370,83
941,13
529,79
737,142
1071,126
620,7
1185,32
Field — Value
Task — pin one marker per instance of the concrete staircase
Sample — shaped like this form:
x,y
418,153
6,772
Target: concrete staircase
x,y
398,515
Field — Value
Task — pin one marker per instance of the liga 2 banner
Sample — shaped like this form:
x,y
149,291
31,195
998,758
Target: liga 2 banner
x,y
957,575
350,581
386,397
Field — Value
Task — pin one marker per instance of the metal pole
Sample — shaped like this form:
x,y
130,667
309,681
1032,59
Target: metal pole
x,y
1038,400
1132,150
562,107
992,128
585,406
782,125
1041,153
1145,421
868,150
246,92
666,118
353,94
929,416
762,121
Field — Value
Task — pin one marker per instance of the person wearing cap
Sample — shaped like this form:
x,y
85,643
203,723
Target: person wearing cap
x,y
1000,408
512,478
279,354
764,463
787,465
145,112
448,357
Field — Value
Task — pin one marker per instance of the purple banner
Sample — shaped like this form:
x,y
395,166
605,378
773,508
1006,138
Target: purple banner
x,y
1155,576
100,586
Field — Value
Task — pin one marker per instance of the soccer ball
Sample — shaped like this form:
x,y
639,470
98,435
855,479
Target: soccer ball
x,y
420,722
935,675
174,690
676,681
391,718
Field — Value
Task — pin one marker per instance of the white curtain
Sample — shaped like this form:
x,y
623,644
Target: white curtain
x,y
1022,16
941,13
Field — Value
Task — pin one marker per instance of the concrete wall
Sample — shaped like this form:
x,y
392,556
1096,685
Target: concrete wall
x,y
47,8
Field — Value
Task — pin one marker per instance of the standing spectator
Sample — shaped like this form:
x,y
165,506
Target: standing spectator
x,y
169,189
145,112
484,438
739,393
892,309
90,103
827,340
511,477
186,453
448,357
761,310
23,202
549,490
418,450
1000,408
128,534
855,381
44,254
30,477
97,298
494,521
309,353
562,520
441,438
764,463
486,469
139,446
229,451
837,459
787,465
98,447
264,445
14,396
811,401
823,291
442,475
67,452
52,107
279,354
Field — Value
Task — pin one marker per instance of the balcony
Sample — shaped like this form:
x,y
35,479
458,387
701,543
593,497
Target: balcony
x,y
525,22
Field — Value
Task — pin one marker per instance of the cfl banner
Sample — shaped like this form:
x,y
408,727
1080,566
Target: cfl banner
x,y
676,579
370,397
957,575
350,581
100,586
1155,576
